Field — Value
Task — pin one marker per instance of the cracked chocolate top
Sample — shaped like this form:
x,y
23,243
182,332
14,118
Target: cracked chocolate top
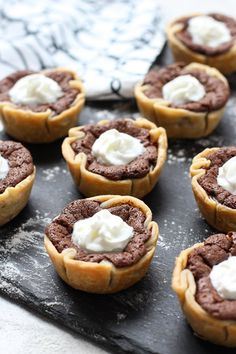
x,y
61,77
216,249
137,168
217,92
20,163
185,37
60,231
209,180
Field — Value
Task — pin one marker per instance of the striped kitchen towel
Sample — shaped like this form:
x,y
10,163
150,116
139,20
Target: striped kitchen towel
x,y
111,44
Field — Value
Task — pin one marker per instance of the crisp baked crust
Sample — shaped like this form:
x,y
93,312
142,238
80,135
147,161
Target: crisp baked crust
x,y
178,122
222,332
225,62
104,277
42,127
14,199
216,214
91,184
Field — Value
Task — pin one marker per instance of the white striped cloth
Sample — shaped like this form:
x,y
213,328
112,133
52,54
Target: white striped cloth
x,y
111,44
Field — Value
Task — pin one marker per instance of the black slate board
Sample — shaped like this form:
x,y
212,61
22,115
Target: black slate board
x,y
145,318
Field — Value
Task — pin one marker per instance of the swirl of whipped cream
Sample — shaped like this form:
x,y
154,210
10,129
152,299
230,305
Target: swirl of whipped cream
x,y
4,167
183,89
115,148
227,175
207,31
35,89
103,232
223,278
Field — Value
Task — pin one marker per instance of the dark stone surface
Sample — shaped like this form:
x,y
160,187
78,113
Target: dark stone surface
x,y
145,318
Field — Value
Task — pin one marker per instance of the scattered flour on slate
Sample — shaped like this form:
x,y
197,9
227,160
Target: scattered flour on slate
x,y
162,244
109,115
178,156
50,174
27,236
23,237
18,266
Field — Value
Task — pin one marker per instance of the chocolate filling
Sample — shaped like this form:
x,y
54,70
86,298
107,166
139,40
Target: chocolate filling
x,y
20,163
137,168
209,180
61,77
60,230
217,92
216,249
185,37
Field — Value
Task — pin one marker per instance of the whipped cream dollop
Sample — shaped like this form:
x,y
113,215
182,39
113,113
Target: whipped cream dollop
x,y
227,175
4,167
35,89
183,89
115,148
103,232
207,31
223,278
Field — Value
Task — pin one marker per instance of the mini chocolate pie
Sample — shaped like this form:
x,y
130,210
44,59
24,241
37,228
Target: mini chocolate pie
x,y
99,271
203,45
210,314
217,205
194,116
17,174
40,111
136,177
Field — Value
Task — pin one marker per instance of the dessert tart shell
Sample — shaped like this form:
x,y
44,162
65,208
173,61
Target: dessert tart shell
x,y
104,277
180,123
219,216
14,199
42,127
225,62
221,332
92,184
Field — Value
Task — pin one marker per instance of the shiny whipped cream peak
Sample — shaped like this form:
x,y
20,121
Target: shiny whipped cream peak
x,y
227,175
35,89
103,232
207,31
115,148
183,89
4,167
223,278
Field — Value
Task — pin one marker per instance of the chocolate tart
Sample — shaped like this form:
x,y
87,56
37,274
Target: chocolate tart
x,y
136,178
42,123
216,204
102,272
222,57
191,120
15,188
211,317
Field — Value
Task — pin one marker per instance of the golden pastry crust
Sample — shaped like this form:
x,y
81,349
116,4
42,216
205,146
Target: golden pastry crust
x,y
216,214
225,62
41,127
180,123
104,277
221,332
91,184
14,199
